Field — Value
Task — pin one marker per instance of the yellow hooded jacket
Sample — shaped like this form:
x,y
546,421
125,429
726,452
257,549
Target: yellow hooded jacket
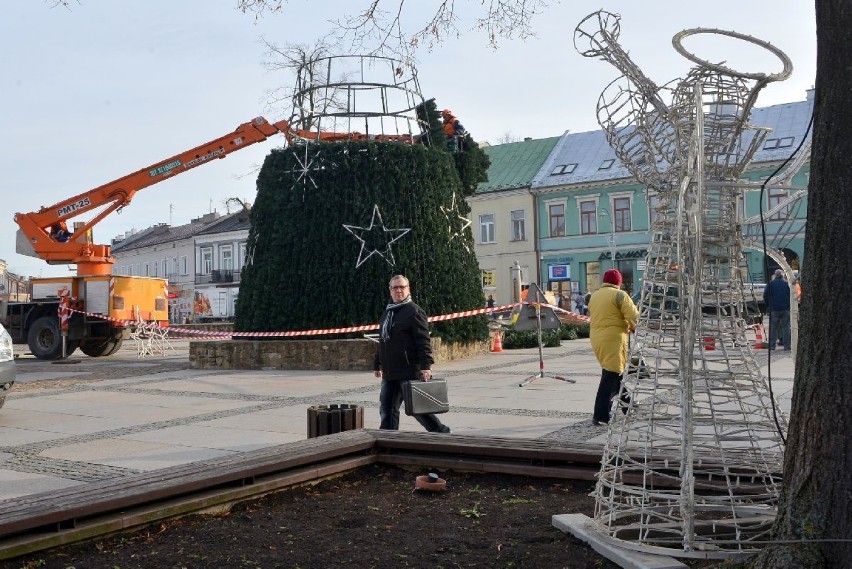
x,y
612,314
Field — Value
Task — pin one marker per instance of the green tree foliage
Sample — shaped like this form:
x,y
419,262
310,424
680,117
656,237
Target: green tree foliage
x,y
471,161
302,272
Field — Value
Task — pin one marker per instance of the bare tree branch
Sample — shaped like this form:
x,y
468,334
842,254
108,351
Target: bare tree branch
x,y
376,30
63,3
507,137
302,98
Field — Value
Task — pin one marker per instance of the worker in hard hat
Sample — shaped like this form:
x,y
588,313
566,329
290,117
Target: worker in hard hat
x,y
453,129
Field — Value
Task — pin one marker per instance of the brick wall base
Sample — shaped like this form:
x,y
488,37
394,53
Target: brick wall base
x,y
354,355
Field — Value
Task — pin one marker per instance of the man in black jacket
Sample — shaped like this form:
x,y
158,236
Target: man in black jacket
x,y
404,354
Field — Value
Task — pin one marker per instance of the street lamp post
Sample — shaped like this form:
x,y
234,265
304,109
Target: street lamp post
x,y
610,239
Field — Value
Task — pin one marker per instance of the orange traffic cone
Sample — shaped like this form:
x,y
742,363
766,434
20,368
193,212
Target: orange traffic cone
x,y
498,343
759,340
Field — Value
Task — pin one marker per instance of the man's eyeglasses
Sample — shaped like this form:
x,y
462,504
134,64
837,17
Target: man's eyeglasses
x,y
403,287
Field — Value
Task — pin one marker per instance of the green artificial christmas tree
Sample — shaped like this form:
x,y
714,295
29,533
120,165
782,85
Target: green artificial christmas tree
x,y
334,221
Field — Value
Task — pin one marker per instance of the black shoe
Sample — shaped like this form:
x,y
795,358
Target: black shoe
x,y
445,429
598,423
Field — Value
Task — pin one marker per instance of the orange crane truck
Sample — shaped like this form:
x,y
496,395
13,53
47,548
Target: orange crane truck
x,y
102,303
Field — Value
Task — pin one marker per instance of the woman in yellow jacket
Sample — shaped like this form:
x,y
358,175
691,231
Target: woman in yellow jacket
x,y
613,315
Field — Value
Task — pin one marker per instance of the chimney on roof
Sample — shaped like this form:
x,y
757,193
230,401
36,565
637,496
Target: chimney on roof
x,y
810,93
207,217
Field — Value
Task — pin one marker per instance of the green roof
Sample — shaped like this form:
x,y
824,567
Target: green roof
x,y
515,164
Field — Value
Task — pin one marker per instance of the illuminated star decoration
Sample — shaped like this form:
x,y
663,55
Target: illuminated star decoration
x,y
376,233
304,169
452,214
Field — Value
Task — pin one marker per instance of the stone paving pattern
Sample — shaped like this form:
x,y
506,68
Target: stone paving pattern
x,y
102,418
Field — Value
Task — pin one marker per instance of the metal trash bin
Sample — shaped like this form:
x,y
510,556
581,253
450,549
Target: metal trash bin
x,y
334,418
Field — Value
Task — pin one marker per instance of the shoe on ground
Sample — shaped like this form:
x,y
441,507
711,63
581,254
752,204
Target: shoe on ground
x,y
598,423
445,429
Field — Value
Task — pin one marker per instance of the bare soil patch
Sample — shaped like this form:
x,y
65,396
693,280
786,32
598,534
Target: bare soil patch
x,y
371,517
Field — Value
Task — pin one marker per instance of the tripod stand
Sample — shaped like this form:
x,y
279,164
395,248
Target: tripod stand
x,y
536,295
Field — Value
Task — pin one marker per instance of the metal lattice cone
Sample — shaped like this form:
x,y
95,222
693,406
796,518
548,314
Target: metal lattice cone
x,y
692,463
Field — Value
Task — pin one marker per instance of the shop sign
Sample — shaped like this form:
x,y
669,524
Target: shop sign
x,y
559,260
624,255
559,272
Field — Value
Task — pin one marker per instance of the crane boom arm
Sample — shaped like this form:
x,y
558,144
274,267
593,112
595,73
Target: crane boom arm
x,y
44,234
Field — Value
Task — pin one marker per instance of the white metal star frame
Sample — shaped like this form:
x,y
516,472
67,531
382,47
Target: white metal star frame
x,y
250,253
387,237
451,213
303,171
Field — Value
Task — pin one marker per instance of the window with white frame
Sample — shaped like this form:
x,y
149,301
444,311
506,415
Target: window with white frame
x,y
489,278
774,198
226,257
154,267
588,217
184,265
518,225
654,205
556,215
486,228
206,260
147,270
242,260
621,212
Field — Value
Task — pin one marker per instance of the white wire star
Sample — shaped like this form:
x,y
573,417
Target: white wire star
x,y
453,211
303,171
250,252
359,233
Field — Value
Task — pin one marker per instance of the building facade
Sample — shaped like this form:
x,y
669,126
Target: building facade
x,y
220,252
166,252
503,217
13,288
594,216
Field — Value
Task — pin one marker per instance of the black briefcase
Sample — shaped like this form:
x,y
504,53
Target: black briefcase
x,y
425,397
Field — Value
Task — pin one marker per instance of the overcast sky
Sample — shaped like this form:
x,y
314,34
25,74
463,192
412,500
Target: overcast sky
x,y
97,92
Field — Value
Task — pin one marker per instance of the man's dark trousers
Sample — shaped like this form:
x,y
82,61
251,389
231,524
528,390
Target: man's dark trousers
x,y
390,400
779,328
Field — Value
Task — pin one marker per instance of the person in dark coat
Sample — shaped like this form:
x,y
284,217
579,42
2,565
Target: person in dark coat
x,y
404,354
776,297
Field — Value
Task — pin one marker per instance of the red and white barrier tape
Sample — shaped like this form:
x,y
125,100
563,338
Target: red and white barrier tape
x,y
298,333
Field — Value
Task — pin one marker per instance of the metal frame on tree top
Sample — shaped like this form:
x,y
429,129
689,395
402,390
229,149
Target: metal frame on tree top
x,y
358,97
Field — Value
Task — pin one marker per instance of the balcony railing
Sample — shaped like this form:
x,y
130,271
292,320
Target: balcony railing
x,y
218,276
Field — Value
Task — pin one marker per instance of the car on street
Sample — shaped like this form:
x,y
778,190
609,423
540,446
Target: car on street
x,y
7,364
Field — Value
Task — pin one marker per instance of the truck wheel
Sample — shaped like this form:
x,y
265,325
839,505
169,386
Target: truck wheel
x,y
116,345
45,339
100,348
